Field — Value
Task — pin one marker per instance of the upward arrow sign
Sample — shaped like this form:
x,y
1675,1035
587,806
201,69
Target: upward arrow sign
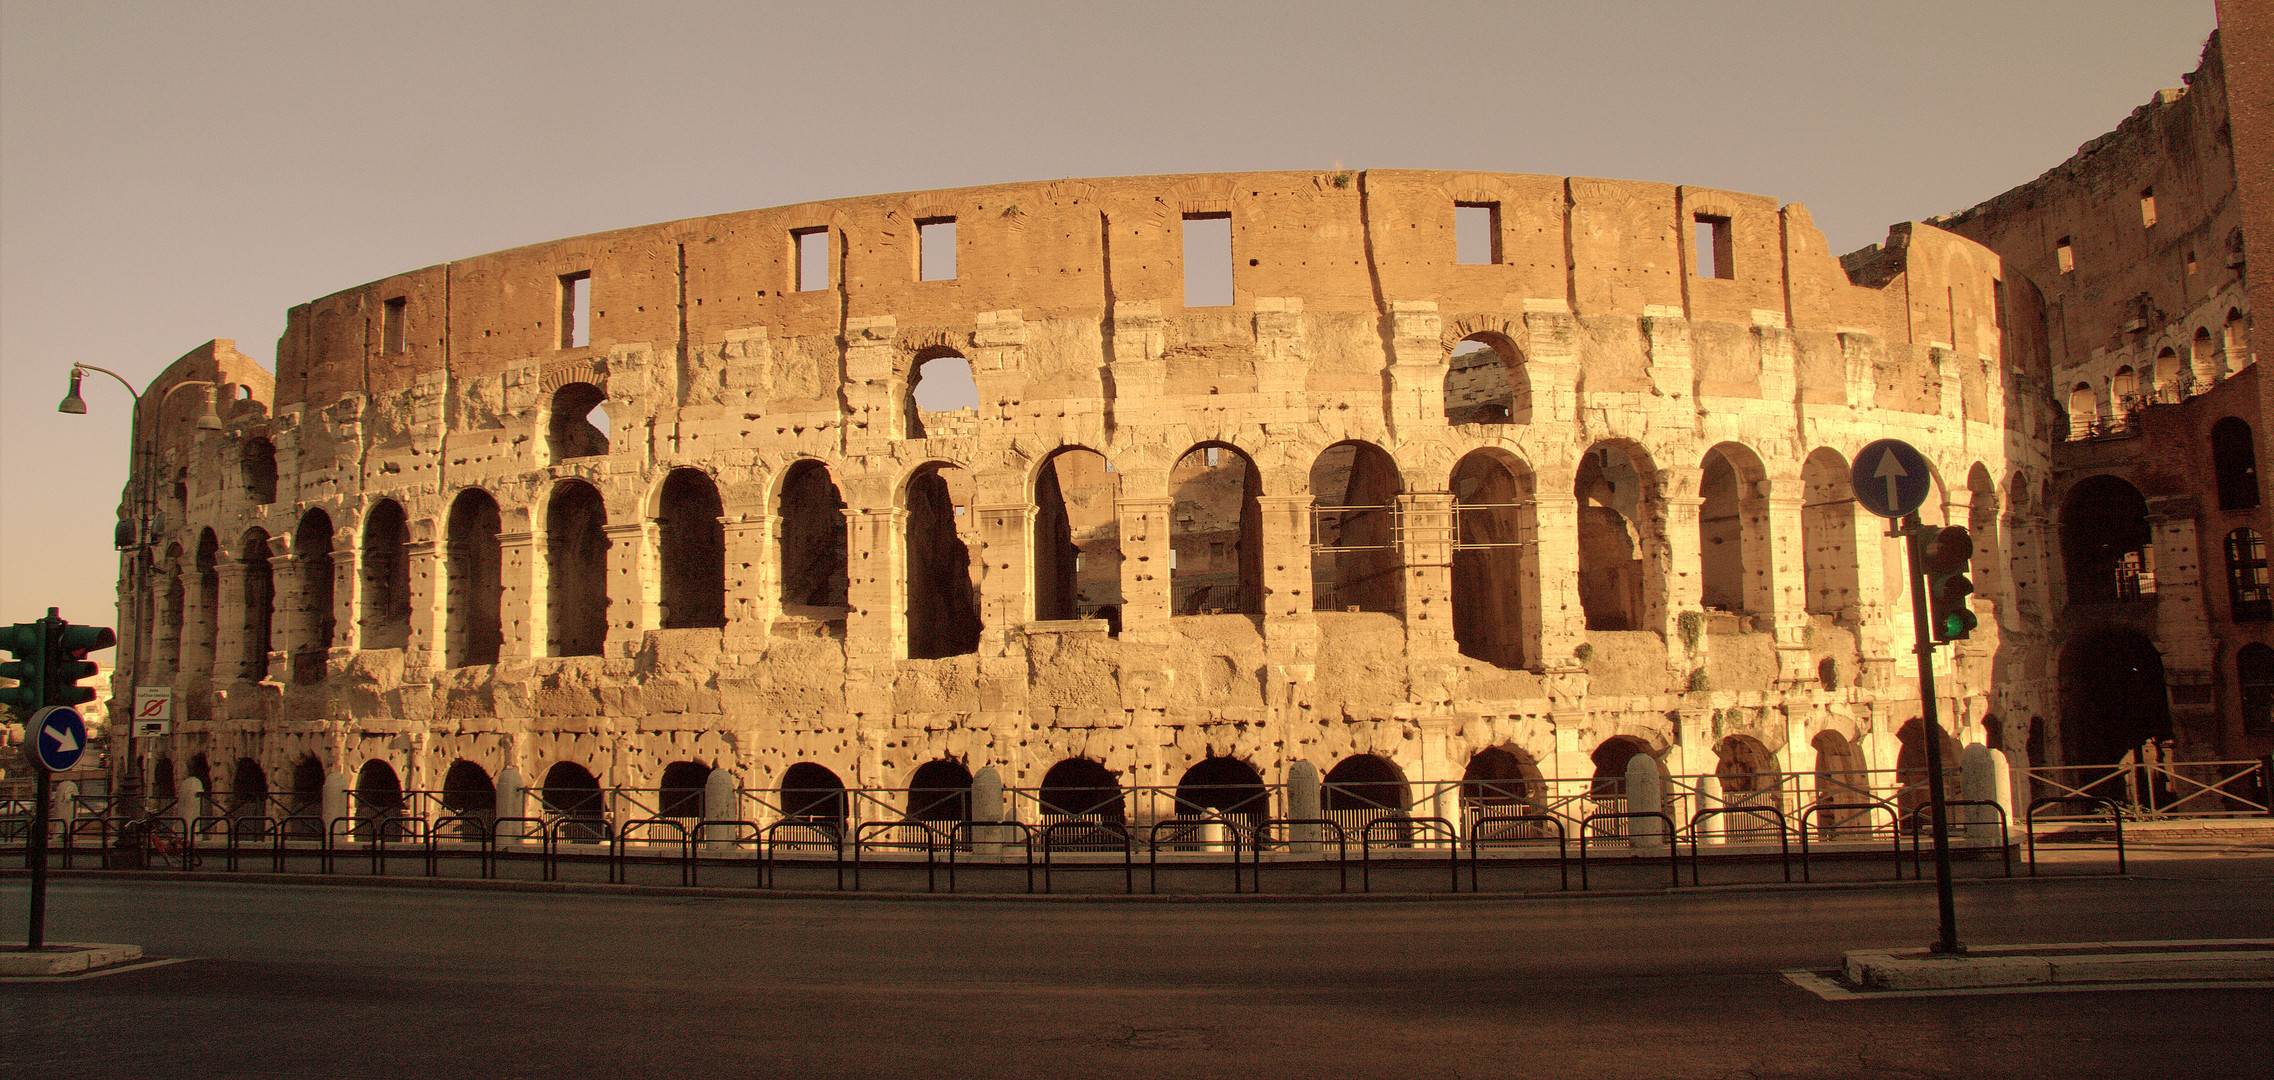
x,y
1892,471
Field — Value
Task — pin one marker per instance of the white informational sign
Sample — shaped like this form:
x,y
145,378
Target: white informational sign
x,y
152,703
151,729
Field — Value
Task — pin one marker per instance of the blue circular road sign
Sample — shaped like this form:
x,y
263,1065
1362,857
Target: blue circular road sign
x,y
59,736
1891,478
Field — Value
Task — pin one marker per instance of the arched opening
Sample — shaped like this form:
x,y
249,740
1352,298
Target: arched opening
x,y
2234,461
812,516
312,546
2113,697
1224,787
1355,562
260,470
1829,572
2170,376
2084,412
1608,788
943,399
175,608
2254,679
2250,595
1500,783
1363,788
205,644
1613,576
579,423
162,780
813,795
248,791
2124,390
378,801
571,794
305,808
1749,777
1216,533
2106,542
2203,358
1077,535
940,791
259,614
1911,775
386,577
576,571
1494,555
679,794
692,544
475,599
2236,341
943,597
468,792
1733,549
1079,789
1989,545
1840,781
1485,382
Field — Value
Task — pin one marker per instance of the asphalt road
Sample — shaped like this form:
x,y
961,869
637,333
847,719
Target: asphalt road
x,y
341,981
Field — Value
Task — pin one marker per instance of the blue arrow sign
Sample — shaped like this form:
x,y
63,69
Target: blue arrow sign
x,y
61,737
1891,478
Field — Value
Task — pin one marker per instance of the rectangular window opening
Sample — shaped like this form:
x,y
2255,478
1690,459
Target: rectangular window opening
x,y
2148,208
2065,255
1715,257
1207,260
1476,233
812,259
2191,261
576,309
391,338
935,249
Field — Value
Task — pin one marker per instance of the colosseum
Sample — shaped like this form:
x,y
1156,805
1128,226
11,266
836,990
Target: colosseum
x,y
1116,497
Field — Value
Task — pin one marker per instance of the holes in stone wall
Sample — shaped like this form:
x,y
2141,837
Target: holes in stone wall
x,y
2065,255
1355,560
386,577
576,582
1207,260
1077,536
943,599
1216,533
693,550
474,600
579,422
2147,208
812,540
1495,561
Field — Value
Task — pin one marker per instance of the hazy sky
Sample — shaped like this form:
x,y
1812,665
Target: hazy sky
x,y
171,173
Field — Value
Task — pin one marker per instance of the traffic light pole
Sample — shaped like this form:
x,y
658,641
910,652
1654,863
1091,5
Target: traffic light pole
x,y
1916,537
35,934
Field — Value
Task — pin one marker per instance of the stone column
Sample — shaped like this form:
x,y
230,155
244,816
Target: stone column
x,y
876,386
1140,340
753,575
1303,804
1646,791
633,571
1417,364
1555,551
523,615
429,576
1787,577
876,624
2183,630
1778,382
1684,591
1145,593
1290,632
229,624
1551,362
1427,552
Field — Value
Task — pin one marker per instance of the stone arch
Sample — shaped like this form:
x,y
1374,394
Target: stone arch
x,y
942,615
304,803
2106,542
386,571
1911,777
2084,411
940,386
1989,542
691,545
1734,569
2112,695
248,790
2234,463
812,794
1501,781
1831,574
1495,559
258,615
1840,774
377,801
474,599
469,792
578,423
1227,786
2203,358
1486,379
572,794
2234,338
679,792
2170,375
1368,785
1619,580
576,570
2124,389
1355,559
1216,532
811,514
1610,758
312,551
1077,535
1081,789
940,790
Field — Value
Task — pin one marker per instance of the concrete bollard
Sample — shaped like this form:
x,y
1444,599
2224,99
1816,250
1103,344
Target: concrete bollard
x,y
987,805
62,809
510,803
722,801
1715,828
189,801
1646,792
336,803
1303,802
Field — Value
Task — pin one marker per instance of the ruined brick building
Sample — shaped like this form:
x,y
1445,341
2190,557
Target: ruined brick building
x,y
1403,478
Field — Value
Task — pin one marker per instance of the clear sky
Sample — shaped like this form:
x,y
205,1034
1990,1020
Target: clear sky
x,y
171,173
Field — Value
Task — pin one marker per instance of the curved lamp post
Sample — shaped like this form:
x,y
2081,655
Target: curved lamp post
x,y
138,543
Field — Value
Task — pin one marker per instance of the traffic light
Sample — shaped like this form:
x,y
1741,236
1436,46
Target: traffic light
x,y
67,661
28,642
1949,556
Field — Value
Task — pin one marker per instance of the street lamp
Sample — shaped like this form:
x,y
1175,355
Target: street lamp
x,y
145,501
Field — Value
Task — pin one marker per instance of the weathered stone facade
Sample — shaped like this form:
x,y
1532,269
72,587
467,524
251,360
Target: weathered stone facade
x,y
1288,529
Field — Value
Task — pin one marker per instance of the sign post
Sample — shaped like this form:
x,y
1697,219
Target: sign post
x,y
57,737
1892,479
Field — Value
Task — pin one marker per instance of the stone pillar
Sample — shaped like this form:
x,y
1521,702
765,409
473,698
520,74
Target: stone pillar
x,y
512,802
633,601
429,576
987,805
229,623
336,804
1716,828
753,575
196,647
1980,772
2183,630
1140,340
1303,804
62,808
1006,599
1145,593
1427,551
1555,550
189,802
1787,577
876,386
1551,362
1417,364
1684,591
1646,791
522,612
722,801
1291,633
876,626
1778,351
